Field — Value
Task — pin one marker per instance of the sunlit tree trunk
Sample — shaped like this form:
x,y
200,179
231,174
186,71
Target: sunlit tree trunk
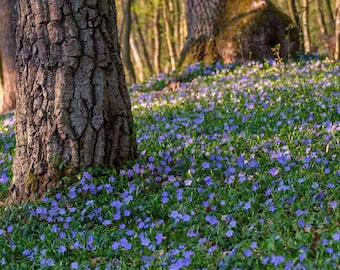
x,y
73,108
169,32
329,10
321,17
183,26
337,30
305,26
138,64
131,76
157,40
142,44
7,45
292,7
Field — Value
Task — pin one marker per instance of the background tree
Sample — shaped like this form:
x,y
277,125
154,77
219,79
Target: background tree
x,y
236,30
305,26
73,108
337,30
130,72
7,49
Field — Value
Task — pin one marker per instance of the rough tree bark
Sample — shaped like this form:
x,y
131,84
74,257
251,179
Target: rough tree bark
x,y
7,45
73,106
236,30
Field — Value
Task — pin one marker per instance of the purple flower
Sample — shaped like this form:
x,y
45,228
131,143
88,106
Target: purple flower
x,y
106,222
277,259
330,250
124,243
232,223
333,204
205,165
301,222
10,228
247,252
229,233
247,206
115,246
159,238
253,245
211,220
336,236
302,257
62,249
74,265
274,171
48,262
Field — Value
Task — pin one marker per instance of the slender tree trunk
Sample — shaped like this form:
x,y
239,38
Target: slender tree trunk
x,y
169,33
177,27
7,45
305,26
146,58
321,17
157,40
329,9
337,30
138,63
183,25
73,107
131,77
329,16
294,13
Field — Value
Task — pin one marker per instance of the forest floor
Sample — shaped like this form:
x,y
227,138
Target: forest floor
x,y
239,168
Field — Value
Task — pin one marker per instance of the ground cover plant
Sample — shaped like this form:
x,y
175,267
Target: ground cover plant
x,y
239,168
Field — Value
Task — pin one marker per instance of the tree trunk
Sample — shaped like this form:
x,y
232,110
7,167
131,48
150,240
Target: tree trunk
x,y
321,17
73,108
337,30
236,30
145,54
293,12
169,33
183,26
305,26
138,64
131,76
157,41
7,45
329,10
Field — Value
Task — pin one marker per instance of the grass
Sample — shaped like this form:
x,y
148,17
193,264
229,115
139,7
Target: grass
x,y
239,169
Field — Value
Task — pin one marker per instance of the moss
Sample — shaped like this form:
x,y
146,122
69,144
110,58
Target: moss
x,y
246,29
31,183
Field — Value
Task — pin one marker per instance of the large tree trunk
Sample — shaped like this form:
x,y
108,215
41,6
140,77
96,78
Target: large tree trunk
x,y
73,108
7,45
236,30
